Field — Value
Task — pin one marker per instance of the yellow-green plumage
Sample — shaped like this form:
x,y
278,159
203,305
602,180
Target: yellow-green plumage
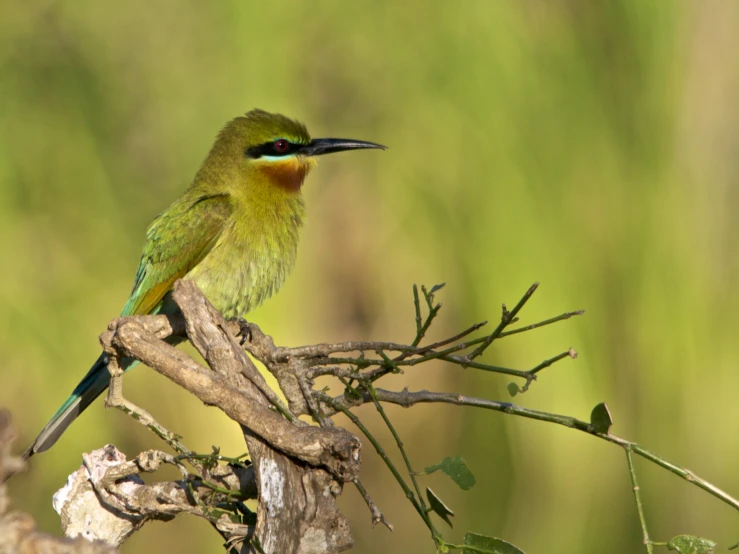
x,y
234,232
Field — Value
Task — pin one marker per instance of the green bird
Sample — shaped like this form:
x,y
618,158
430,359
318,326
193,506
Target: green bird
x,y
234,232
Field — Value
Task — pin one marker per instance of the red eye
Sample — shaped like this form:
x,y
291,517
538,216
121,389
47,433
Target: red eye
x,y
281,146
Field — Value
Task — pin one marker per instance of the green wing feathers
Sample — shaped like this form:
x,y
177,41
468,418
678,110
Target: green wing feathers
x,y
176,242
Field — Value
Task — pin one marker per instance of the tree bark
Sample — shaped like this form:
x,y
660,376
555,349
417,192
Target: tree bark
x,y
299,469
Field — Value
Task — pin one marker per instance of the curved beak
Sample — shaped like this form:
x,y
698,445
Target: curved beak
x,y
318,147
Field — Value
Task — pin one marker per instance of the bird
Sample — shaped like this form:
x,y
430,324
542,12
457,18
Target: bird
x,y
234,232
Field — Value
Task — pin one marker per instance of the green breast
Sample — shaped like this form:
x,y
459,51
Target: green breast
x,y
252,258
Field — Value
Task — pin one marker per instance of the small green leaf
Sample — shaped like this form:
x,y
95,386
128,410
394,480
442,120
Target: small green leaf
x,y
480,544
437,287
688,544
456,468
513,389
600,418
439,508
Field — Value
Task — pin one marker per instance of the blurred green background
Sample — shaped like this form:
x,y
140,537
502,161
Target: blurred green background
x,y
591,146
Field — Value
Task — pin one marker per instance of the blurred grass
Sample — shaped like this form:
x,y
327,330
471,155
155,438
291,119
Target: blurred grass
x,y
591,146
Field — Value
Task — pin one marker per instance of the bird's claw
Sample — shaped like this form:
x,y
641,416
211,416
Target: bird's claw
x,y
244,330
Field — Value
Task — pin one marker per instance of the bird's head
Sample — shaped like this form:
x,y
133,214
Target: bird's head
x,y
273,149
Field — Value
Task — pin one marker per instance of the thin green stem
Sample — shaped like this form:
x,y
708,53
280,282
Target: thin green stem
x,y
465,362
286,413
391,364
407,398
468,548
221,490
433,310
546,363
360,362
381,452
637,497
377,515
388,365
409,467
451,350
237,461
561,317
531,374
405,352
506,319
682,472
417,306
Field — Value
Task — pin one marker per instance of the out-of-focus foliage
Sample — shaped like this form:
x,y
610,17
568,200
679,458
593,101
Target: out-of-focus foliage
x,y
592,146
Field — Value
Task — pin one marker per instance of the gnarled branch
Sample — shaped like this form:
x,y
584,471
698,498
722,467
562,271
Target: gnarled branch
x,y
299,469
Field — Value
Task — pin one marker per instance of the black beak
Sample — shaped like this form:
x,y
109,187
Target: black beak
x,y
317,147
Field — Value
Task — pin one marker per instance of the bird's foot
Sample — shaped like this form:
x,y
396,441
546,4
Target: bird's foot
x,y
244,330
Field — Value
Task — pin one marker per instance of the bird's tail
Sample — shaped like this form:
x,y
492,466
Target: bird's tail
x,y
93,384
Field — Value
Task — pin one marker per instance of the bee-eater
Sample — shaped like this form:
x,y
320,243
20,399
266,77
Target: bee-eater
x,y
234,232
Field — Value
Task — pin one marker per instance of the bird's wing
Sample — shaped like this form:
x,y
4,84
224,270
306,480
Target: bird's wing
x,y
176,241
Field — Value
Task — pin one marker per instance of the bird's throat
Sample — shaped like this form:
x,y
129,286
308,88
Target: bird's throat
x,y
288,174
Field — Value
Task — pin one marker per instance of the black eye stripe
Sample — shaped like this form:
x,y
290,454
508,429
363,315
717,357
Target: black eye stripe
x,y
269,149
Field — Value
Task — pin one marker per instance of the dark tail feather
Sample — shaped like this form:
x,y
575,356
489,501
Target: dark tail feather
x,y
93,384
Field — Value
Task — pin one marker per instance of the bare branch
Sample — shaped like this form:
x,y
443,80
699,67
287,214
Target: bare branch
x,y
377,515
334,449
297,509
106,477
407,399
115,399
506,319
561,317
18,530
297,469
